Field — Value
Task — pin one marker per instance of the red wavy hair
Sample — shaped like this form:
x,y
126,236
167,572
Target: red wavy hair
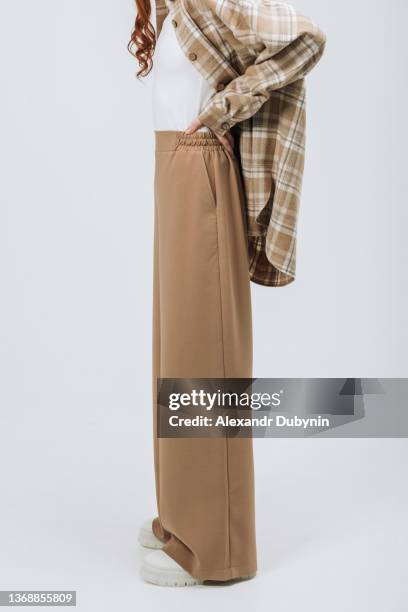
x,y
143,38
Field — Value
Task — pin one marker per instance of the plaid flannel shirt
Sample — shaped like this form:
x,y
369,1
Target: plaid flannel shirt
x,y
256,53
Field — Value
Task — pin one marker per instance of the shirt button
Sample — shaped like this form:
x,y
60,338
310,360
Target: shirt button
x,y
225,126
220,86
174,23
192,56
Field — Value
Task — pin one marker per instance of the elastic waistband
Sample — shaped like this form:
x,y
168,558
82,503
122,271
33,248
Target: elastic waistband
x,y
173,141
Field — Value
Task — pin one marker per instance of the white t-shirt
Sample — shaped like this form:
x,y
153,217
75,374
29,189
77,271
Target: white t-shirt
x,y
180,92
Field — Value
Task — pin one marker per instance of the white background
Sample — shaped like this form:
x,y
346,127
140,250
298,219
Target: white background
x,y
76,158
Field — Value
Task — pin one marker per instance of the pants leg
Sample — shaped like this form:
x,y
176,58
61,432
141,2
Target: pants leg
x,y
202,328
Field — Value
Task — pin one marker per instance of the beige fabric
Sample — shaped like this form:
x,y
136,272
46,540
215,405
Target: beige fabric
x,y
202,329
256,53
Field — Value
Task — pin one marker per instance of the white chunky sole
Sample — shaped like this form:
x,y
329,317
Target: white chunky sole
x,y
159,569
147,539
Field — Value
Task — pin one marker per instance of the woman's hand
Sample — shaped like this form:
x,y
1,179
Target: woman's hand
x,y
227,140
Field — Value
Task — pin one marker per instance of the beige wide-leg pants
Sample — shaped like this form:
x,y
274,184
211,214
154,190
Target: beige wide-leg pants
x,y
202,329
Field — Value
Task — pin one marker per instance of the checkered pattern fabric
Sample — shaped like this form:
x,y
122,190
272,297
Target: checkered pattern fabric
x,y
256,53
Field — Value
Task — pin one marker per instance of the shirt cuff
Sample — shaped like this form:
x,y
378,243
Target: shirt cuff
x,y
215,119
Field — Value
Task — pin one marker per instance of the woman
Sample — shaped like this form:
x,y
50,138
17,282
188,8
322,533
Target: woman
x,y
229,123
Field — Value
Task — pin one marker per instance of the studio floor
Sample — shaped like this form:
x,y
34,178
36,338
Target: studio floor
x,y
331,522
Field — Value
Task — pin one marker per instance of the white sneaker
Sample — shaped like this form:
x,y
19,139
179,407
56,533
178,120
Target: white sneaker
x,y
158,568
147,537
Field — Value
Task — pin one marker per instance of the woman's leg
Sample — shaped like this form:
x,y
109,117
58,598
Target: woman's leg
x,y
202,329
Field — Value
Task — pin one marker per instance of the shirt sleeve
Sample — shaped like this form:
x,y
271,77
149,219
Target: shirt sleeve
x,y
286,46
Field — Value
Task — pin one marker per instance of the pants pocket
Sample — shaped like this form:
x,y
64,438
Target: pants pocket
x,y
209,179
